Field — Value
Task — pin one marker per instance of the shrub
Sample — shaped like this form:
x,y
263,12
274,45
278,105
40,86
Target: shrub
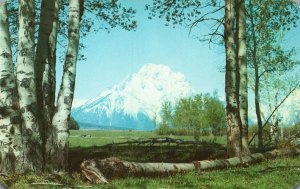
x,y
163,129
292,131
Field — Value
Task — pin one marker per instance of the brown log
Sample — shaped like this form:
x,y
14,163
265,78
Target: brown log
x,y
97,171
153,141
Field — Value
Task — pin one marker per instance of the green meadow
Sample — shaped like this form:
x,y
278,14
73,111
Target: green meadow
x,y
281,173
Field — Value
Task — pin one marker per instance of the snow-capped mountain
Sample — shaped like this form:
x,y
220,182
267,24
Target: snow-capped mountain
x,y
78,102
136,101
290,111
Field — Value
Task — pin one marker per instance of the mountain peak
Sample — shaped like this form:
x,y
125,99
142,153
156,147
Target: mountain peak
x,y
153,69
137,98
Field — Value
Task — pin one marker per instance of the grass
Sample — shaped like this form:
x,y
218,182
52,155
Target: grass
x,y
256,176
281,173
93,144
100,138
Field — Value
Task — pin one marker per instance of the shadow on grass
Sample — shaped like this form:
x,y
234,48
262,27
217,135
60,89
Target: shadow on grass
x,y
148,153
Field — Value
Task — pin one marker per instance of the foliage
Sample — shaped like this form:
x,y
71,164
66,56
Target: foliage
x,y
166,114
163,129
36,73
73,125
190,14
215,114
267,24
266,133
293,131
200,114
98,15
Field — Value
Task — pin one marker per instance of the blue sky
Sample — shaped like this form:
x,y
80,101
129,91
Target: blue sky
x,y
112,56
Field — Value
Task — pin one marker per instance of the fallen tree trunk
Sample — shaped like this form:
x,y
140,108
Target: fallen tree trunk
x,y
153,141
99,171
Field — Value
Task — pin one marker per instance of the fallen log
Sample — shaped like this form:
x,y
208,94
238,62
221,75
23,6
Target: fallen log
x,y
153,141
99,171
55,184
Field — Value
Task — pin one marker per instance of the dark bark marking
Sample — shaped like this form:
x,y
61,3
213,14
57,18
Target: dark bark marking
x,y
32,108
3,82
25,82
227,163
23,110
197,165
68,100
175,167
6,55
12,130
29,73
4,112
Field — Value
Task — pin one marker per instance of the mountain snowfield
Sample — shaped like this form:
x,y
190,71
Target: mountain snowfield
x,y
136,101
288,112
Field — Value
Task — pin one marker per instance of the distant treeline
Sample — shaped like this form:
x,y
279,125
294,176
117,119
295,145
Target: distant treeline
x,y
90,126
202,114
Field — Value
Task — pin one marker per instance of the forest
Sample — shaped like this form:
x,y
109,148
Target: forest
x,y
200,142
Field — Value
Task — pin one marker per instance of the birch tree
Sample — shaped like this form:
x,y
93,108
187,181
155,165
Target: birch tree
x,y
232,111
10,138
57,146
243,74
45,63
228,28
26,86
34,130
267,24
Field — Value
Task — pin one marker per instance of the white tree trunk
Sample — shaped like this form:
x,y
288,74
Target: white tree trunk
x,y
57,144
274,131
232,111
10,135
98,171
45,63
26,86
243,84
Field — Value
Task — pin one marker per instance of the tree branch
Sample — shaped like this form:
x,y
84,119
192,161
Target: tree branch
x,y
276,108
202,18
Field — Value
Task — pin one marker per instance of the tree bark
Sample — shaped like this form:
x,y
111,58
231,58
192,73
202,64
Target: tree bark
x,y
45,64
274,131
26,86
257,108
232,112
57,144
256,85
98,171
243,78
10,137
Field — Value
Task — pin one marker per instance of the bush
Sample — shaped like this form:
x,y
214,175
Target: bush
x,y
73,125
292,131
196,116
266,133
163,129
